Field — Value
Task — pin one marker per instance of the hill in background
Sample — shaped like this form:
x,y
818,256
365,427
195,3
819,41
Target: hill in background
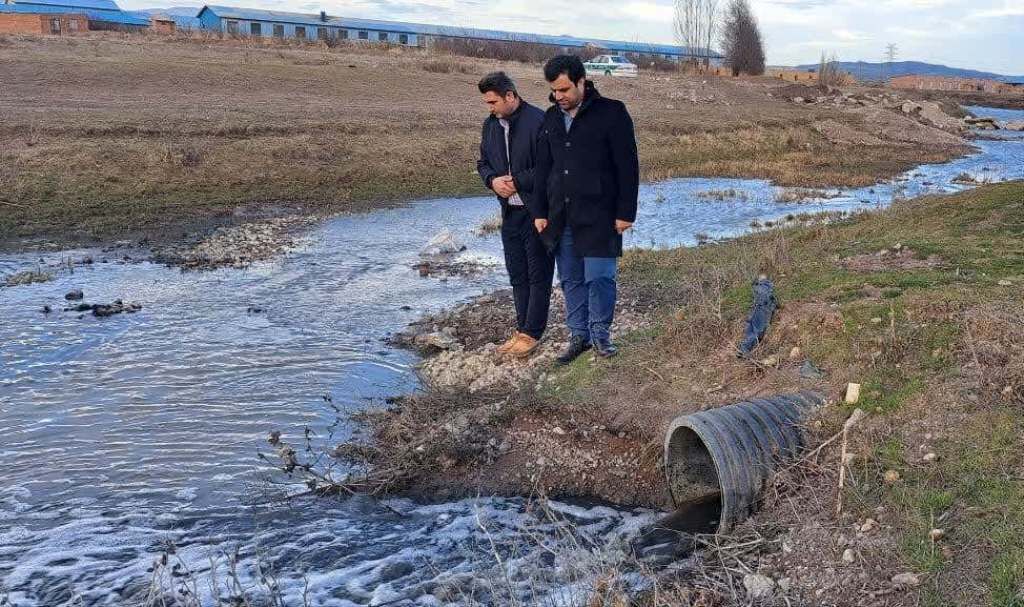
x,y
863,70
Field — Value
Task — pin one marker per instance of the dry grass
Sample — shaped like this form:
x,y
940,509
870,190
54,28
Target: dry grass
x,y
27,277
799,195
110,135
722,195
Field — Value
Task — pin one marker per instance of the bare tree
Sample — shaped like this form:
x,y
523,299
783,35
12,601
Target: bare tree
x,y
741,40
683,24
710,28
695,23
828,71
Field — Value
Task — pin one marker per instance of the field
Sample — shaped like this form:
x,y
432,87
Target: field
x,y
111,136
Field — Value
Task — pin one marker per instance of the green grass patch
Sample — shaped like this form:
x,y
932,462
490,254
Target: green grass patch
x,y
974,493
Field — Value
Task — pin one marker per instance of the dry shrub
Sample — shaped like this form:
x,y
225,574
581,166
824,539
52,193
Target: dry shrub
x,y
446,65
438,66
654,62
188,155
525,52
26,278
722,195
800,195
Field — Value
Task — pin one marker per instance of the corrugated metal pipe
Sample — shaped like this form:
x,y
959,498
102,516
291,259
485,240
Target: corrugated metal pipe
x,y
721,459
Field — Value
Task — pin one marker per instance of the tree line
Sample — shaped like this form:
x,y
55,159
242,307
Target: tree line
x,y
699,23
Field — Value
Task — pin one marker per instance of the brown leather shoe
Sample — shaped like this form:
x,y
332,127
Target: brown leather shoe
x,y
508,345
524,346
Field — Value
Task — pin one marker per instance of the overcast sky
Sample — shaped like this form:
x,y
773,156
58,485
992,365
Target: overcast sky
x,y
979,34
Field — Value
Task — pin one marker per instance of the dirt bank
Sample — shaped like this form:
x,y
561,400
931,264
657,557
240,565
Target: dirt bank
x,y
125,161
920,304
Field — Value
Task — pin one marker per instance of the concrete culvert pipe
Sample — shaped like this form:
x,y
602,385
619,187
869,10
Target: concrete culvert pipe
x,y
723,457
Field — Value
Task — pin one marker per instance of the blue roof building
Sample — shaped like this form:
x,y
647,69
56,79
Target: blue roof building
x,y
102,14
280,24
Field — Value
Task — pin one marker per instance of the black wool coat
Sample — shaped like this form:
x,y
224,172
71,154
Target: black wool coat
x,y
588,177
524,126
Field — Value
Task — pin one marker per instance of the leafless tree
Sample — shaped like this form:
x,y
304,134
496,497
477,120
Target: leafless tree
x,y
828,71
741,40
683,23
695,25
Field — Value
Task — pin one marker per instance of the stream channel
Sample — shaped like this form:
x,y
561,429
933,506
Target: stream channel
x,y
121,435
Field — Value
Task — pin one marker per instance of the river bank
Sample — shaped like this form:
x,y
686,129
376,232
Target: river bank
x,y
240,147
916,303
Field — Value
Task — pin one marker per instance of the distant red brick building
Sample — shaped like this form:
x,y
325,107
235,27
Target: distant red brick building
x,y
28,23
943,83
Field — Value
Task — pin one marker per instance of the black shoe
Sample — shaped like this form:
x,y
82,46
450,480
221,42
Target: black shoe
x,y
577,346
605,348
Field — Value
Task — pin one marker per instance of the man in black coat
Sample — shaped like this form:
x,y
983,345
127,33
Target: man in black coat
x,y
508,147
585,196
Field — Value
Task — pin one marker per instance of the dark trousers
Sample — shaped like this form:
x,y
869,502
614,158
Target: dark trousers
x,y
530,270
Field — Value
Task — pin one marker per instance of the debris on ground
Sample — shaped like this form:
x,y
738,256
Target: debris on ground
x,y
760,317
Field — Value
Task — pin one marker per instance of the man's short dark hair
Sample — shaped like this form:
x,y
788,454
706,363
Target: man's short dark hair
x,y
570,65
497,82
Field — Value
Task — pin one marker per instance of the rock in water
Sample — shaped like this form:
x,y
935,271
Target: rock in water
x,y
76,295
443,243
118,307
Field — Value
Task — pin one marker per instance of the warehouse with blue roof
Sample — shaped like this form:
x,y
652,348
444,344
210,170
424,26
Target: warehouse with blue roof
x,y
280,24
66,16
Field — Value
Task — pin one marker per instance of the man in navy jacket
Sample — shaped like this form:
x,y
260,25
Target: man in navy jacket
x,y
584,197
508,147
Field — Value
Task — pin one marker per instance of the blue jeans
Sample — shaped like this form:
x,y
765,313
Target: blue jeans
x,y
589,287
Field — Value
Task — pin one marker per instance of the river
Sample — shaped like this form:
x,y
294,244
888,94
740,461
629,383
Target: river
x,y
124,434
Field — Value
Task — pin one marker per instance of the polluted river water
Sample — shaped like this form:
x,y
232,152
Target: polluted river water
x,y
125,435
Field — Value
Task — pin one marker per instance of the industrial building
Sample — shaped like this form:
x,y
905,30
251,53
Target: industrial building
x,y
70,16
303,26
66,16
